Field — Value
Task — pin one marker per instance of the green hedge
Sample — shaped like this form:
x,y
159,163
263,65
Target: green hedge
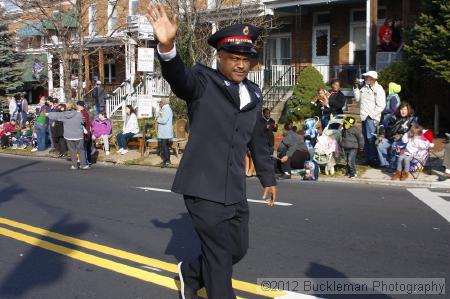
x,y
299,106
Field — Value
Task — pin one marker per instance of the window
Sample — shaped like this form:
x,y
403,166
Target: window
x,y
110,71
322,18
279,50
359,15
112,16
134,7
93,19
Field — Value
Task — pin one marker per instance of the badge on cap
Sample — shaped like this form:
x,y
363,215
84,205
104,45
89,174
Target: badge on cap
x,y
227,83
246,31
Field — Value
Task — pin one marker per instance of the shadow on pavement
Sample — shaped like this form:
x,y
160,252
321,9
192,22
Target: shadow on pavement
x,y
12,170
184,243
317,271
40,267
8,193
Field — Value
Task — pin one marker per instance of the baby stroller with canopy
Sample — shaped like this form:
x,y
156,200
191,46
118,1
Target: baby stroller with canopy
x,y
327,149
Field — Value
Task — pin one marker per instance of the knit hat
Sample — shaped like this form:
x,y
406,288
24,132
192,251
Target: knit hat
x,y
394,88
349,121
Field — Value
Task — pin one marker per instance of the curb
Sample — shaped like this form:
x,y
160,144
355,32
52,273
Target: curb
x,y
405,184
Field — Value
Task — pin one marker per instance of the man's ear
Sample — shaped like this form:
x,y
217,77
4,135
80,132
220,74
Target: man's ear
x,y
218,56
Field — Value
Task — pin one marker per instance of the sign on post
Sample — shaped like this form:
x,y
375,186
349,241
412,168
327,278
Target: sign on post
x,y
146,59
145,106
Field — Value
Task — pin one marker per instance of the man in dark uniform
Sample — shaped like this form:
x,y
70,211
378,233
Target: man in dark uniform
x,y
225,114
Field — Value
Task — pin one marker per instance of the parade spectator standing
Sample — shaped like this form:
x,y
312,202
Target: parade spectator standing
x,y
73,121
99,97
13,113
392,101
373,101
271,127
321,100
385,36
336,101
391,132
165,130
40,126
292,153
130,128
58,133
102,129
397,33
52,103
446,162
22,110
352,140
225,114
86,130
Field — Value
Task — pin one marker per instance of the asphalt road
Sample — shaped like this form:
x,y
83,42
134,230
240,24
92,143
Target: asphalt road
x,y
328,230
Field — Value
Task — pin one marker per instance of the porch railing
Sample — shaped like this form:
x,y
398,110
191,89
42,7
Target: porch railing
x,y
280,88
257,77
115,99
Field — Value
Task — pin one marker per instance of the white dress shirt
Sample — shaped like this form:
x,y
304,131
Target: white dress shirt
x,y
244,94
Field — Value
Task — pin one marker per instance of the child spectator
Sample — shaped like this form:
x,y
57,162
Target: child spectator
x,y
415,143
23,137
73,122
352,140
102,129
392,101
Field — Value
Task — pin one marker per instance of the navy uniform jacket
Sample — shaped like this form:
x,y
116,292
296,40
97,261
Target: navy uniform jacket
x,y
212,166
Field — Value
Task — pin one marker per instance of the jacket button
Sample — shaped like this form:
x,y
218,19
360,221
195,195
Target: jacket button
x,y
231,164
237,130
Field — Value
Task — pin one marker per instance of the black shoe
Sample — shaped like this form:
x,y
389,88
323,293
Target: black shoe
x,y
284,177
185,291
165,165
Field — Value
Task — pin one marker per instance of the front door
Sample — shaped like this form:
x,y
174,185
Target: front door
x,y
321,50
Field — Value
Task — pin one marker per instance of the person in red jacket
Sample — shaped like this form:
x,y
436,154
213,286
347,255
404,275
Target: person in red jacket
x,y
385,36
87,131
9,130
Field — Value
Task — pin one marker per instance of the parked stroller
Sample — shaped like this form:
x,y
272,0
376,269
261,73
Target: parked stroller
x,y
311,133
327,148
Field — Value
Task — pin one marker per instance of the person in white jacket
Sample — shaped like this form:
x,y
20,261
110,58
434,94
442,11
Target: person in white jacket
x,y
372,100
12,105
130,128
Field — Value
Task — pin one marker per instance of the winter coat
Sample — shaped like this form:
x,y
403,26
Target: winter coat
x,y
164,120
131,124
373,101
73,123
352,138
101,127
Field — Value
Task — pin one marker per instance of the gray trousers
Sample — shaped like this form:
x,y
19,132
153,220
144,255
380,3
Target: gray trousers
x,y
77,147
446,162
404,163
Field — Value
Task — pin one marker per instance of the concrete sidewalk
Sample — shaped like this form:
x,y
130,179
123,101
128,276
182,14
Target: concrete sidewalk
x,y
369,176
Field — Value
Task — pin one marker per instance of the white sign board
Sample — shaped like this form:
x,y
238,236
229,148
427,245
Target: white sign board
x,y
145,106
145,28
146,59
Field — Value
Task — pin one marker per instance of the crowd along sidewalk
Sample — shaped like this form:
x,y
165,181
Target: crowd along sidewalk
x,y
367,175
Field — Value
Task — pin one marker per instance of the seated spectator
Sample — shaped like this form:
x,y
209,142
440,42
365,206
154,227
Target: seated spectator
x,y
415,143
352,140
24,137
292,153
130,128
73,122
8,132
391,132
102,130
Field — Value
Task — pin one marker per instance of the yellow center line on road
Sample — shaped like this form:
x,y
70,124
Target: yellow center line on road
x,y
159,279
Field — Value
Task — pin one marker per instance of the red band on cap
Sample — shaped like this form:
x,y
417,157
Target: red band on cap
x,y
236,39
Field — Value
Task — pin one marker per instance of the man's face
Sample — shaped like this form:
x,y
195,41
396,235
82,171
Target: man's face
x,y
267,113
335,86
234,66
370,81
